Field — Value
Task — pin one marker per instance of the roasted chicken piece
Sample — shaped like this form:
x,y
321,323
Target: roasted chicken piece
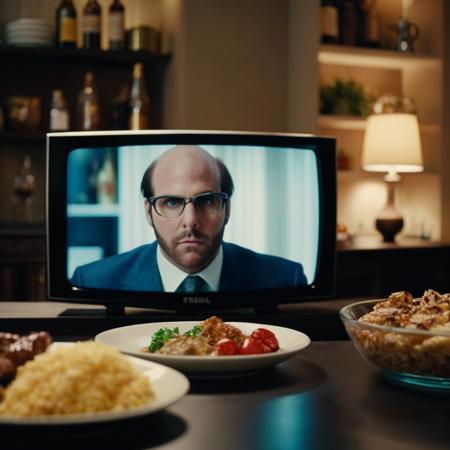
x,y
16,350
213,329
186,345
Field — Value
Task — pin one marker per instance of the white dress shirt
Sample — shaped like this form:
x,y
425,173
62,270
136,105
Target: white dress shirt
x,y
172,276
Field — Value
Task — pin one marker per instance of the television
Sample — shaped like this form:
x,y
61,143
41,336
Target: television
x,y
137,218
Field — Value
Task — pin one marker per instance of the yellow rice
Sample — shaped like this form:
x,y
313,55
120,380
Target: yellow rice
x,y
85,378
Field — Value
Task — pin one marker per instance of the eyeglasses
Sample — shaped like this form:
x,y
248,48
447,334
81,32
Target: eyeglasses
x,y
171,206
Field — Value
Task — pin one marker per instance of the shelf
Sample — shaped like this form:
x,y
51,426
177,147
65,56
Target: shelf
x,y
22,136
356,174
352,123
93,210
98,56
367,57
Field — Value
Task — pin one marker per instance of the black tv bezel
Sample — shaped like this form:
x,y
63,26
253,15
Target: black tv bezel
x,y
59,145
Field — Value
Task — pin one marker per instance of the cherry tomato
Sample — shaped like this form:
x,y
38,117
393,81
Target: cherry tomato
x,y
267,337
226,347
253,346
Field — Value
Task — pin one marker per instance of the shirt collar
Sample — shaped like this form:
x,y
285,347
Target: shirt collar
x,y
172,276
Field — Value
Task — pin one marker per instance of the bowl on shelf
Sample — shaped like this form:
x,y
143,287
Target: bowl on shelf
x,y
405,354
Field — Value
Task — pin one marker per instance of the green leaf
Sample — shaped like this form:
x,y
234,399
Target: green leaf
x,y
161,336
195,331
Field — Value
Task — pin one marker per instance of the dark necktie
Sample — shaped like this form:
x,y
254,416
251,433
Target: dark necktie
x,y
191,284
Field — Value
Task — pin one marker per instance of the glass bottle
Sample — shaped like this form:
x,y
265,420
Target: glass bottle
x,y
329,25
24,187
348,19
120,108
88,111
116,26
106,181
139,100
91,25
59,114
66,25
371,32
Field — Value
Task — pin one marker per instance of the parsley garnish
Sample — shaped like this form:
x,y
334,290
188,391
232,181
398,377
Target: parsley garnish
x,y
163,335
194,331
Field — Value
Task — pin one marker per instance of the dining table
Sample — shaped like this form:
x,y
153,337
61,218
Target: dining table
x,y
326,396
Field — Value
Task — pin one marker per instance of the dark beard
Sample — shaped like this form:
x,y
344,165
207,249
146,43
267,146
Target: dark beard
x,y
206,257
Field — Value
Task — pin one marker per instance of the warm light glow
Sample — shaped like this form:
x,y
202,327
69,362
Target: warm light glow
x,y
392,144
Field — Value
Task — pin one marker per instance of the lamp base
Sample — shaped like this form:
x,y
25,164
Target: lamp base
x,y
389,221
389,228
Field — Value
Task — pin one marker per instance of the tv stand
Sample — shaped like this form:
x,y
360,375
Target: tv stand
x,y
109,311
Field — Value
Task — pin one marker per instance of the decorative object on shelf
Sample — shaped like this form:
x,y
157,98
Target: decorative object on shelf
x,y
66,25
391,144
342,233
59,114
24,187
345,98
407,33
329,22
116,26
342,160
88,111
91,25
144,38
29,32
390,103
139,100
22,113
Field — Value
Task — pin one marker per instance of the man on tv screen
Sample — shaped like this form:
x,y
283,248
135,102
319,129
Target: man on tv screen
x,y
187,200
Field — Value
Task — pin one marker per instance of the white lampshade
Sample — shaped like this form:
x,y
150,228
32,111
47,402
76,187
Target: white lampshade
x,y
392,143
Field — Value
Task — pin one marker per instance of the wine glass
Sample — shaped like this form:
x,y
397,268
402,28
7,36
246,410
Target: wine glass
x,y
24,186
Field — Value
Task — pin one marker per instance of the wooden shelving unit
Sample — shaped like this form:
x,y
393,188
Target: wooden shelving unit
x,y
418,75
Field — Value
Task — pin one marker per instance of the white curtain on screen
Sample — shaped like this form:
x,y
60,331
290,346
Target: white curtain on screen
x,y
274,208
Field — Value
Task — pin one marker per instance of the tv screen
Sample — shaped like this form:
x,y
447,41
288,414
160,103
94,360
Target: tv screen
x,y
167,219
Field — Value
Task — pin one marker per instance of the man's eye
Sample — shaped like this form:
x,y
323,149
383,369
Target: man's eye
x,y
204,200
172,202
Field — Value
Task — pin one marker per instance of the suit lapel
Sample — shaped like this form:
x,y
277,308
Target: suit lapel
x,y
234,276
143,273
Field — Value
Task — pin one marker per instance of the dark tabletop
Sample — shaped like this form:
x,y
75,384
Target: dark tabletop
x,y
327,397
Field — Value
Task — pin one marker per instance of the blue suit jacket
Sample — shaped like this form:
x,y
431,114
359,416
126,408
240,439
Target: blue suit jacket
x,y
137,270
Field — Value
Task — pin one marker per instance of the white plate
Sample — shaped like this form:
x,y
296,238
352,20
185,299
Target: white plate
x,y
132,339
167,384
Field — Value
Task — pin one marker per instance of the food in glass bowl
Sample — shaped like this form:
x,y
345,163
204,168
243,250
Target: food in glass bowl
x,y
409,339
212,337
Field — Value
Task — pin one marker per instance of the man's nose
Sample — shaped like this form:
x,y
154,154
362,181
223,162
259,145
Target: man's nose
x,y
190,216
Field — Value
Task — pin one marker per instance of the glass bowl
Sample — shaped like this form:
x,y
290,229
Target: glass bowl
x,y
410,356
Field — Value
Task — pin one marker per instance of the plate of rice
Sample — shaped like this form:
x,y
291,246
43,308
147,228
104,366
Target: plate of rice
x,y
88,382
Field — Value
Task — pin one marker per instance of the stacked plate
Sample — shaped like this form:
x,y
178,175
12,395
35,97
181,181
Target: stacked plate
x,y
29,33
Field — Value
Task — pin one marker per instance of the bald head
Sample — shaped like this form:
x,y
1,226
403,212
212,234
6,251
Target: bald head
x,y
185,162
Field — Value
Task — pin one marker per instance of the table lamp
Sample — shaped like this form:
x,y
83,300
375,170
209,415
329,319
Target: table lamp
x,y
391,145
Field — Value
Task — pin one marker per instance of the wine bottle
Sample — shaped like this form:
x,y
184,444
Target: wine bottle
x,y
116,26
91,25
106,181
329,25
88,111
59,114
139,100
66,25
372,31
348,17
